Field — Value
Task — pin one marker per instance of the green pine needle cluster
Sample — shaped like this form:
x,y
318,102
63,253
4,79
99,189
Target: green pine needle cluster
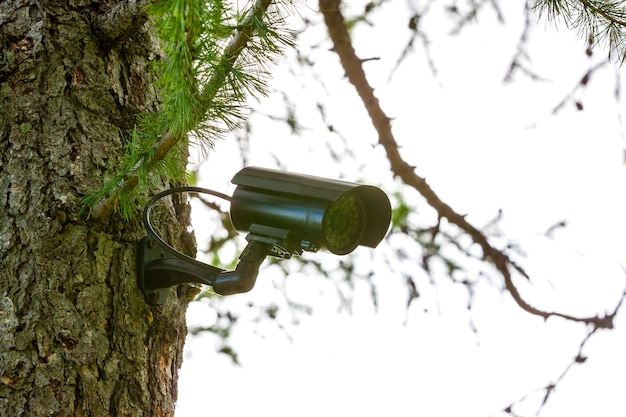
x,y
216,58
602,22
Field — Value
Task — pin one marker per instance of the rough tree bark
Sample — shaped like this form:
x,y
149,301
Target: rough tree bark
x,y
76,337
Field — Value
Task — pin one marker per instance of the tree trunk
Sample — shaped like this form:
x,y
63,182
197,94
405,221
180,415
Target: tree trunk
x,y
76,336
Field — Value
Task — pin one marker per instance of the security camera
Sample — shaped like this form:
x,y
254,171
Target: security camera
x,y
284,214
299,212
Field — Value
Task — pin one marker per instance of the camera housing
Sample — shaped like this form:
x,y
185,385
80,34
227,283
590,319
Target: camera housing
x,y
297,212
284,214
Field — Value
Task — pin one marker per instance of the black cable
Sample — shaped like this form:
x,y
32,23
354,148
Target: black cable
x,y
157,238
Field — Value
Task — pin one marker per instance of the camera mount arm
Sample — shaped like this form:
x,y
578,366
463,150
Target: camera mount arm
x,y
160,266
157,271
243,278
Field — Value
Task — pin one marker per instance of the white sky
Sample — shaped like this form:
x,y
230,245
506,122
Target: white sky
x,y
469,137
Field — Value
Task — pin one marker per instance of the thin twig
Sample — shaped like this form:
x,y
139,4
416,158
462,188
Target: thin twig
x,y
580,358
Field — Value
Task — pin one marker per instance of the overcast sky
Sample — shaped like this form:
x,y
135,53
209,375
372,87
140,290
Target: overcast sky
x,y
483,146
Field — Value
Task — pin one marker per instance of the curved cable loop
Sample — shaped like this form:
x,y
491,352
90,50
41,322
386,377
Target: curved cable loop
x,y
154,235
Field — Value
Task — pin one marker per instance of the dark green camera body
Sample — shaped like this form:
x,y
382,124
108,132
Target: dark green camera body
x,y
302,212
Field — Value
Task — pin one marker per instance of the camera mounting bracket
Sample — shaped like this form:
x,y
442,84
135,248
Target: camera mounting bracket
x,y
148,251
160,266
157,271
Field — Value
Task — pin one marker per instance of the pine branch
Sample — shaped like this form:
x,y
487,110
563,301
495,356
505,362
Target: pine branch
x,y
353,68
608,10
599,21
109,198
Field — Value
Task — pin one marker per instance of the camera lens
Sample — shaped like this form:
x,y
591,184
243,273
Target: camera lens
x,y
343,224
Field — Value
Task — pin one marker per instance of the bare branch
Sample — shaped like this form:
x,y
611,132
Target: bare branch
x,y
353,68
